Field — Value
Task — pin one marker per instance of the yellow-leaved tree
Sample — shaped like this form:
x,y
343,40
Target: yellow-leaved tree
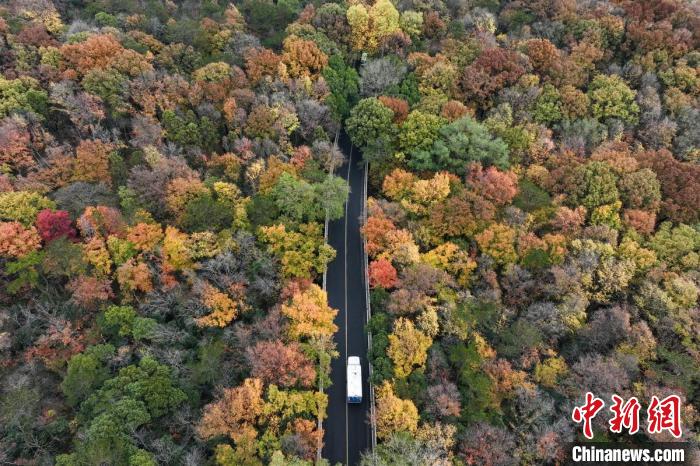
x,y
393,413
369,25
223,308
235,414
309,314
408,347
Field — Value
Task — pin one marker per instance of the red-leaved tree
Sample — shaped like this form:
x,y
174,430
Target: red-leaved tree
x,y
53,224
382,273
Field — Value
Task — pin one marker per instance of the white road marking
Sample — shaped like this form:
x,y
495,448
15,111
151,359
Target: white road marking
x,y
345,292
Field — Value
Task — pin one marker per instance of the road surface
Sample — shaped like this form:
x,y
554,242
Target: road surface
x,y
347,429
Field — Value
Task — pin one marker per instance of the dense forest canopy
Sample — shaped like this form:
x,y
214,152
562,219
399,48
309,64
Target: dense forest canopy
x,y
166,168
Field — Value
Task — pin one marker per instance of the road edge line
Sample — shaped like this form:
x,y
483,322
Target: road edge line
x,y
373,418
319,424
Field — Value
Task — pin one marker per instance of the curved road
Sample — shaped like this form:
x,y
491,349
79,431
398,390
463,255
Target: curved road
x,y
347,429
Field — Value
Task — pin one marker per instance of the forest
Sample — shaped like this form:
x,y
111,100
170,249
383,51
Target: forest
x,y
167,166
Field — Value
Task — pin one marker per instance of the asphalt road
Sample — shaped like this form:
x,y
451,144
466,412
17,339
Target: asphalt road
x,y
347,428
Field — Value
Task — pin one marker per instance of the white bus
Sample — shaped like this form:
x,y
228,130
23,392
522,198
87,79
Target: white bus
x,y
354,380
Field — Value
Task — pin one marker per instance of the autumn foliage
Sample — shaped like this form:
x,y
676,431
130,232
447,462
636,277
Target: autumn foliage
x,y
16,240
166,169
382,273
54,224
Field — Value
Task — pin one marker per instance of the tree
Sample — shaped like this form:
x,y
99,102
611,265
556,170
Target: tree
x,y
124,322
477,446
461,215
26,272
295,198
494,69
375,230
21,94
315,121
493,184
398,184
17,241
412,23
548,107
92,162
145,236
400,247
57,345
454,110
243,455
175,251
135,396
457,144
101,221
370,25
408,347
215,72
640,190
23,206
303,57
54,224
107,440
86,372
497,242
679,185
407,449
207,212
148,383
419,131
640,220
397,105
331,195
309,314
424,194
382,273
261,63
235,414
595,184
281,364
110,86
679,246
300,200
223,308
88,291
394,414
544,55
134,276
370,121
301,252
612,98
569,220
443,400
478,398
102,52
449,257
97,255
181,191
76,197
15,145
381,75
344,85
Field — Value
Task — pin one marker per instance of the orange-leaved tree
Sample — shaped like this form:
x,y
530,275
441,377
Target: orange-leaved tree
x,y
235,414
309,314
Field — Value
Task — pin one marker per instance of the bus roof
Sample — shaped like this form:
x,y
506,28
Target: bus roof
x,y
354,377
